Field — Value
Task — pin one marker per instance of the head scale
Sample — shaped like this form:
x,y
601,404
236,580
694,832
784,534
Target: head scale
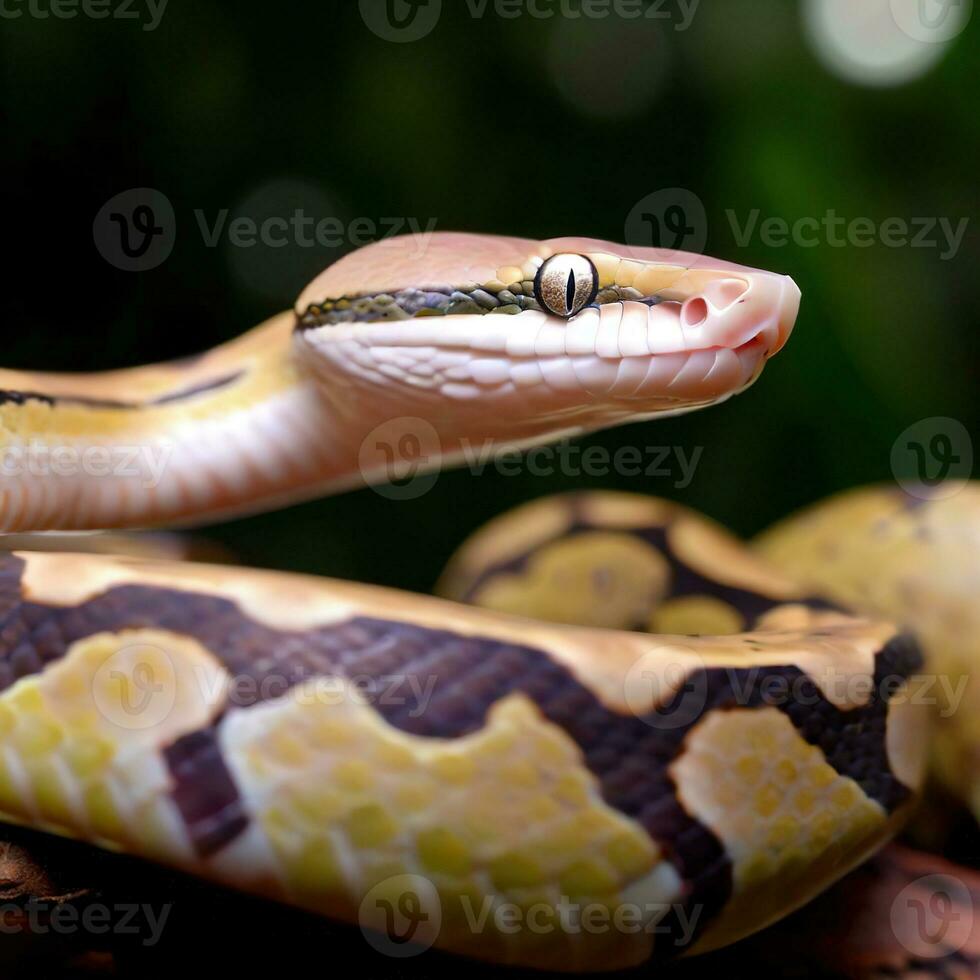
x,y
513,340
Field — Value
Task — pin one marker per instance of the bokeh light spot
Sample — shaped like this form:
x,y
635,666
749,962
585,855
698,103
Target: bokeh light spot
x,y
883,42
608,68
279,236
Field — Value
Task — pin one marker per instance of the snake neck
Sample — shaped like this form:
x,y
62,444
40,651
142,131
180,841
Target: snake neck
x,y
242,427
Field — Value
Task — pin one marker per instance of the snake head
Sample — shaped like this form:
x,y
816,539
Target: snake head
x,y
515,339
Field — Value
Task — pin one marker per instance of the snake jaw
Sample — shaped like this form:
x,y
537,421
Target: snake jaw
x,y
663,333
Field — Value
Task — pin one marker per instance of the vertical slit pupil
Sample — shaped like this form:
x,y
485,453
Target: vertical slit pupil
x,y
570,292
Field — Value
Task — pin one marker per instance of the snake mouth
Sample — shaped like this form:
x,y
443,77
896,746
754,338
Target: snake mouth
x,y
576,329
665,354
621,321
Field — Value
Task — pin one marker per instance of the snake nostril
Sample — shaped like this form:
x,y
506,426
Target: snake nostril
x,y
694,312
722,293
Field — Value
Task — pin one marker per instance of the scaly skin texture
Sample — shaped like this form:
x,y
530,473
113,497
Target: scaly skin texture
x,y
314,741
917,562
241,725
631,562
285,411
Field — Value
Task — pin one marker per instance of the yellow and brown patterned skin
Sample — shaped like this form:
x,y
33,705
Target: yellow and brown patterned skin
x,y
312,741
917,561
623,561
242,725
619,561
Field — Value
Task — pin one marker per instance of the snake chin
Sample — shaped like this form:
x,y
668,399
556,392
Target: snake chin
x,y
654,333
605,364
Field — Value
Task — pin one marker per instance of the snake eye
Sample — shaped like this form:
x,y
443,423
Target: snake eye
x,y
566,283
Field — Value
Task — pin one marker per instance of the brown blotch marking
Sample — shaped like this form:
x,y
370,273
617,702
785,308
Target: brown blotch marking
x,y
205,791
629,755
684,580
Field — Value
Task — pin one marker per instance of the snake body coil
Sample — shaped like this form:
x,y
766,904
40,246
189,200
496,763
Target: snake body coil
x,y
341,747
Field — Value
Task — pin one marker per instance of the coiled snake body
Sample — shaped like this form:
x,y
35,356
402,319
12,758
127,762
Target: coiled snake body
x,y
618,794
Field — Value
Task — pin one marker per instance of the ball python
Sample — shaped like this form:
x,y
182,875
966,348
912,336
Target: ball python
x,y
625,561
511,789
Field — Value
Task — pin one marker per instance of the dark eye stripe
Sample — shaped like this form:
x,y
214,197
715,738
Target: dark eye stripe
x,y
407,304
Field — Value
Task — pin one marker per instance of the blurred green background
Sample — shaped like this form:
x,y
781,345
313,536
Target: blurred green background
x,y
536,126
